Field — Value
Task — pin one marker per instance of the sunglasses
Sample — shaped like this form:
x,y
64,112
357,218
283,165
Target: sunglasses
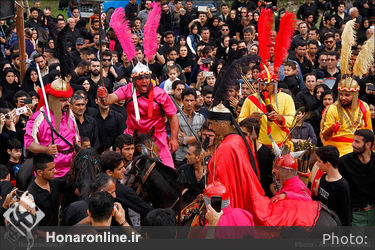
x,y
224,29
328,41
142,77
106,60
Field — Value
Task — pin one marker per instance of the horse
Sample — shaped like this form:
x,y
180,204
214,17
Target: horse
x,y
156,182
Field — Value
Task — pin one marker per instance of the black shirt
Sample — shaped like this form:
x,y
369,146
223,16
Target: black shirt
x,y
304,9
89,129
75,212
304,98
306,66
292,83
194,185
360,178
336,196
110,127
48,202
121,110
265,158
129,199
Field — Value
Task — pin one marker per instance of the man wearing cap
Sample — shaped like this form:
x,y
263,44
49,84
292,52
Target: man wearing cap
x,y
341,119
275,110
146,106
292,188
38,138
233,162
76,54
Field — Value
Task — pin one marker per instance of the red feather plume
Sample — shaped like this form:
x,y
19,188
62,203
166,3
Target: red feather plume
x,y
284,38
265,23
121,28
150,42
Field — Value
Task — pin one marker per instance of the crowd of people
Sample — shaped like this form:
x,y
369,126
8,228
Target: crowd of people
x,y
97,108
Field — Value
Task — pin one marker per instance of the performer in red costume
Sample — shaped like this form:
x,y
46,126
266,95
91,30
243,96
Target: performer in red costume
x,y
285,171
234,165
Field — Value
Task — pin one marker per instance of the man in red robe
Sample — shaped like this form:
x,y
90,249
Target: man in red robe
x,y
231,166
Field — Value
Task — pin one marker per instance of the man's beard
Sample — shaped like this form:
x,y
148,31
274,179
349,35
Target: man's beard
x,y
346,105
360,150
95,73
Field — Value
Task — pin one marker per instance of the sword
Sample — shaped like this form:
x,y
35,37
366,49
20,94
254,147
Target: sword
x,y
45,100
186,120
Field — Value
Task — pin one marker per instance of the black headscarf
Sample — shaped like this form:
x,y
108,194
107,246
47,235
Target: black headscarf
x,y
28,84
9,89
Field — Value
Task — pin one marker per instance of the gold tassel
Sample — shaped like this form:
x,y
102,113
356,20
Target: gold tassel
x,y
365,58
348,38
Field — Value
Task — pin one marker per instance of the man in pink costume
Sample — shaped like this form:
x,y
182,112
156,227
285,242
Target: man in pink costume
x,y
292,187
38,137
146,106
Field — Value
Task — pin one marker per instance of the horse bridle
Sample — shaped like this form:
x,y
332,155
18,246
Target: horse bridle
x,y
144,179
149,150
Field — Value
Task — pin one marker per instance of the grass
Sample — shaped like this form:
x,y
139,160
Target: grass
x,y
54,4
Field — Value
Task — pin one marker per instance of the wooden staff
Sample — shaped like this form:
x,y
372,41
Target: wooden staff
x,y
21,38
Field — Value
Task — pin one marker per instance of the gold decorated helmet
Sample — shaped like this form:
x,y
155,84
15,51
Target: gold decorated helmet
x,y
60,85
348,84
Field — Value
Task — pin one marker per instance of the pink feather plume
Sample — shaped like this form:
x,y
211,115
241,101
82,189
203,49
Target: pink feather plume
x,y
284,38
121,28
264,34
150,42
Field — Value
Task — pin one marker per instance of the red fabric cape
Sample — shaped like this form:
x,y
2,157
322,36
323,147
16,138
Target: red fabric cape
x,y
56,93
233,169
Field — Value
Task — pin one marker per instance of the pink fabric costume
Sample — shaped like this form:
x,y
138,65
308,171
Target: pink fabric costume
x,y
295,189
38,131
162,101
234,217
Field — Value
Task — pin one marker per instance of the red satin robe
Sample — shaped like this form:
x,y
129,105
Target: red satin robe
x,y
233,169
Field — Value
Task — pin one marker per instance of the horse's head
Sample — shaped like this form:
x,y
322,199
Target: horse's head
x,y
152,180
85,166
145,145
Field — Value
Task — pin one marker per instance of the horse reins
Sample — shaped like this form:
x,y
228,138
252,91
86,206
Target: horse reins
x,y
144,179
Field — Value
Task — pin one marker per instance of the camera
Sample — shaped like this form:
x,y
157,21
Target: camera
x,y
371,87
206,61
28,101
208,73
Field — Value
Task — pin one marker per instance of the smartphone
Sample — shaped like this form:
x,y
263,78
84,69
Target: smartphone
x,y
21,110
371,87
202,8
205,143
28,101
216,203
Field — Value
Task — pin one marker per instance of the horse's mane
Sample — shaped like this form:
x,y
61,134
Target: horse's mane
x,y
143,139
85,167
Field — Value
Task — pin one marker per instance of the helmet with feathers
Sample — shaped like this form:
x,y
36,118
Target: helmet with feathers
x,y
361,66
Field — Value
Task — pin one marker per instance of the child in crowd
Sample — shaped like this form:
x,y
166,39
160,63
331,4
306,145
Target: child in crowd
x,y
14,151
303,130
334,190
173,73
85,142
290,80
